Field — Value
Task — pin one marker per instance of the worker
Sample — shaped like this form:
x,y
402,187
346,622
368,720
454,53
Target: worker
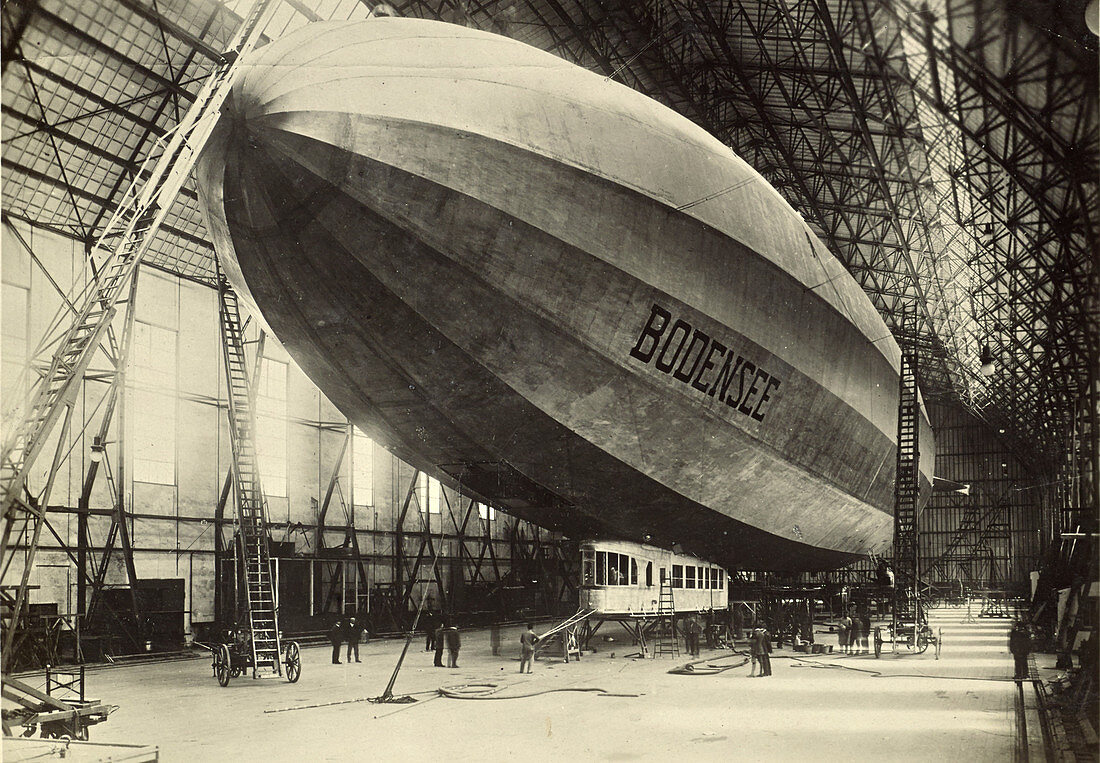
x,y
709,631
353,632
439,642
1019,643
692,630
527,641
759,649
854,633
454,642
865,632
429,622
844,632
336,636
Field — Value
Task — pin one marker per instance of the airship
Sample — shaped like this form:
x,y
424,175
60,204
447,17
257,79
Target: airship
x,y
556,295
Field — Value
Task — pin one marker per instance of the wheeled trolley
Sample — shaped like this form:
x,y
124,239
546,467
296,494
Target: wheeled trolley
x,y
231,659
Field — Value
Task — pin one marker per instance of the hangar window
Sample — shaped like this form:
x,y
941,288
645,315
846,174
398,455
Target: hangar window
x,y
152,377
14,320
486,512
677,576
362,468
429,494
271,426
701,576
689,576
721,578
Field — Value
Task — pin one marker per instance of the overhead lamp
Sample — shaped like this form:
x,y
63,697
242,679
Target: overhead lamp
x,y
987,361
97,449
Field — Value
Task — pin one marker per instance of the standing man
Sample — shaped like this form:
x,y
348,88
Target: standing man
x,y
429,630
864,632
336,637
354,632
439,642
854,633
527,642
1019,643
759,647
454,642
844,631
691,634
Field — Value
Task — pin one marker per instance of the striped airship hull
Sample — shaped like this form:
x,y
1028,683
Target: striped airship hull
x,y
556,294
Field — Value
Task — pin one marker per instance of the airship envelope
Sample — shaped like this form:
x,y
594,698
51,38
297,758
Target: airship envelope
x,y
556,294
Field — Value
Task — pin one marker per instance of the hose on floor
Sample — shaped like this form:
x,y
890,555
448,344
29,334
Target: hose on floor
x,y
710,666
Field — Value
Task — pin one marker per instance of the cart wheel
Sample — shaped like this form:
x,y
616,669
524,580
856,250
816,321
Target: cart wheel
x,y
878,642
293,662
224,665
921,638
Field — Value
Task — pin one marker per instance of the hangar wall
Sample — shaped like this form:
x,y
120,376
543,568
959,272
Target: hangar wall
x,y
174,457
995,533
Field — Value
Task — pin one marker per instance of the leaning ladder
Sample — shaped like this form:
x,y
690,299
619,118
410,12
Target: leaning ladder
x,y
121,245
263,615
907,608
665,641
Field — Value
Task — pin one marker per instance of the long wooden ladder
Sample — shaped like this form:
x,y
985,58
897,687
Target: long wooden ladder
x,y
907,607
119,249
665,641
255,557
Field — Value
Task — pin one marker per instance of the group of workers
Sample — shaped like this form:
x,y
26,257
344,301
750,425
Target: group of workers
x,y
441,635
348,631
854,631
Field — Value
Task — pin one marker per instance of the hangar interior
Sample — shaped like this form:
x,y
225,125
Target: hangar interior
x,y
945,152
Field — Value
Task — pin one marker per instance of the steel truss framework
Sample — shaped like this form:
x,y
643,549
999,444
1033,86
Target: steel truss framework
x,y
946,153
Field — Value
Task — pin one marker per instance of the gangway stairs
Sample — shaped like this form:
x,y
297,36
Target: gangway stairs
x,y
566,632
119,249
251,525
907,607
665,641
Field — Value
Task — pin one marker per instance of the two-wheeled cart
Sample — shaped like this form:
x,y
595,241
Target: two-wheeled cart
x,y
913,637
235,657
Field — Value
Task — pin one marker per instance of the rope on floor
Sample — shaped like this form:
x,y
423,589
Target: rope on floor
x,y
492,691
879,674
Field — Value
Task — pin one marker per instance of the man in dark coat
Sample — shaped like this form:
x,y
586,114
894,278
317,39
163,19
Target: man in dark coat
x,y
353,632
429,630
692,630
439,643
1019,643
760,647
336,637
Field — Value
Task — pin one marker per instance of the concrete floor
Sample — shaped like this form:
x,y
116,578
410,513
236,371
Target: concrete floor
x,y
830,707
